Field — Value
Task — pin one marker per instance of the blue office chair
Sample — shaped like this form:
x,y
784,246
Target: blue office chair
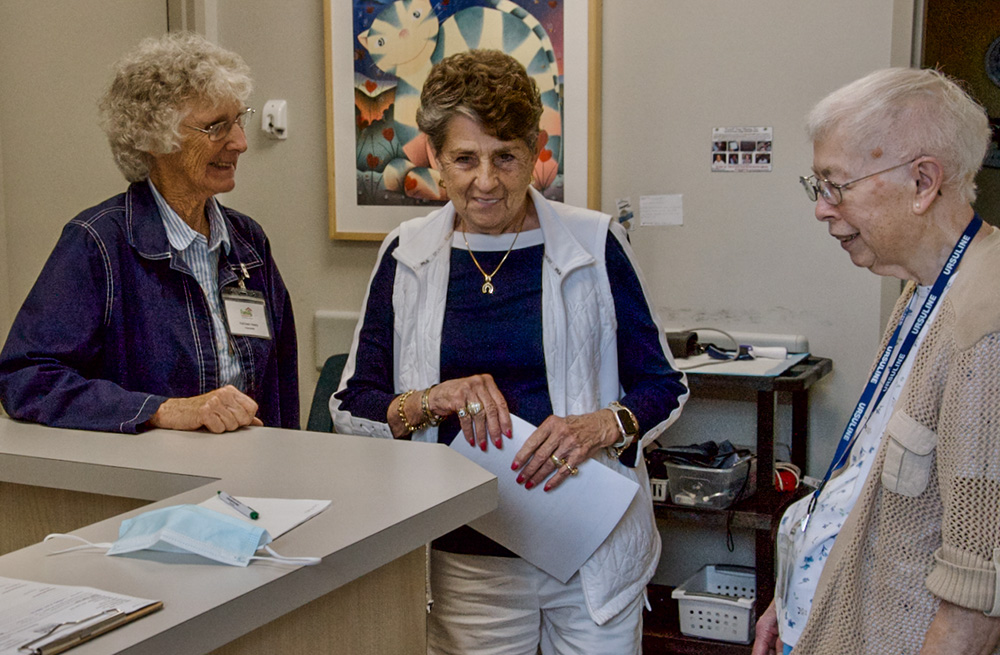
x,y
329,379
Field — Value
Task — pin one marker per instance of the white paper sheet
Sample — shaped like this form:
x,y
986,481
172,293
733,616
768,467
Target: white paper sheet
x,y
554,530
764,367
277,515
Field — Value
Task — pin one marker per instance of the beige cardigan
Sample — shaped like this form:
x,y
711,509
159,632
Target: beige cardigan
x,y
927,524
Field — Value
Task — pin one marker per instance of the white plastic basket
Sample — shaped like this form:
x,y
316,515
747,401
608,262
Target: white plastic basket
x,y
658,488
717,602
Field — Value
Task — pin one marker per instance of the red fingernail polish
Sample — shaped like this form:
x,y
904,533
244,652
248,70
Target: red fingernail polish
x,y
514,466
509,434
529,484
520,479
498,443
482,446
547,487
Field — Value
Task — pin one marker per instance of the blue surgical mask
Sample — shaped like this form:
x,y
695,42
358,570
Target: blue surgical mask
x,y
191,529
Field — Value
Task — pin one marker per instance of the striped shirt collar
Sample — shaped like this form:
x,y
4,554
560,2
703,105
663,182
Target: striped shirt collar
x,y
180,234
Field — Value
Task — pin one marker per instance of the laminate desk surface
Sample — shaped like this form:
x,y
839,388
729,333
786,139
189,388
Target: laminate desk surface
x,y
389,498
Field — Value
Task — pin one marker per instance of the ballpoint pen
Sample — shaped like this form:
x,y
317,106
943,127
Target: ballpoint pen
x,y
245,510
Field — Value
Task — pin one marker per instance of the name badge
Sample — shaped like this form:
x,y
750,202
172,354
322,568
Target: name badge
x,y
246,313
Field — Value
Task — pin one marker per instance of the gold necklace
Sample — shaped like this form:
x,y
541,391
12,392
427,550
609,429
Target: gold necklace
x,y
488,279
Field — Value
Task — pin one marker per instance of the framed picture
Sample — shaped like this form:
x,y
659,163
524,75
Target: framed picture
x,y
378,168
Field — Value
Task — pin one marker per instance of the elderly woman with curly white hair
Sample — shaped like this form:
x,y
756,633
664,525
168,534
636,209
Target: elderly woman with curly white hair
x,y
160,307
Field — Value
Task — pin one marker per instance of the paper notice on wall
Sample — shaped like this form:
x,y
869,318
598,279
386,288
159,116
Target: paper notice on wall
x,y
741,149
661,210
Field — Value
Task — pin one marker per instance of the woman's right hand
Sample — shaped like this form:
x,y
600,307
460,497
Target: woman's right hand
x,y
459,396
222,410
766,640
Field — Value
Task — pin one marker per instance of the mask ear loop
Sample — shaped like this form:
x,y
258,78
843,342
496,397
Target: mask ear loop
x,y
87,544
304,561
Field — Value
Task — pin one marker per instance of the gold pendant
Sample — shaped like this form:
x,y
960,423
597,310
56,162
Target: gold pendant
x,y
488,279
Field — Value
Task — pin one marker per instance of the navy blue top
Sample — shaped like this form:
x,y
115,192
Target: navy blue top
x,y
484,333
501,334
498,333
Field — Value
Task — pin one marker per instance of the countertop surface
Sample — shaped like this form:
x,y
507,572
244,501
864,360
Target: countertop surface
x,y
389,498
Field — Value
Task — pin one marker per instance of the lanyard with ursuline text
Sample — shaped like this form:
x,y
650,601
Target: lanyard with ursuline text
x,y
852,429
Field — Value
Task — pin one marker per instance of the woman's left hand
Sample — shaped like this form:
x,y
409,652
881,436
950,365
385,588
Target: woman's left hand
x,y
571,440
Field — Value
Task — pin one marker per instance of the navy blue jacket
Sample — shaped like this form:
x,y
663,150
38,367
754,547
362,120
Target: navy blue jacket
x,y
116,324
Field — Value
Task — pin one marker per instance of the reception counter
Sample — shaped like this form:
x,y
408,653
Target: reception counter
x,y
367,597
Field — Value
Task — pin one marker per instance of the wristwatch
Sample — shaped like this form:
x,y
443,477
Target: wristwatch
x,y
627,426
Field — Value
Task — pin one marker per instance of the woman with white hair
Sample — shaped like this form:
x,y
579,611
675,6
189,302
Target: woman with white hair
x,y
160,307
898,551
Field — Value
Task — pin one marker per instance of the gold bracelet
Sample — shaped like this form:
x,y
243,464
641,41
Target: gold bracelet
x,y
410,429
430,417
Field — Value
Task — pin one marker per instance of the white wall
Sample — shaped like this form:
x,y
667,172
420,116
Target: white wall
x,y
749,257
54,63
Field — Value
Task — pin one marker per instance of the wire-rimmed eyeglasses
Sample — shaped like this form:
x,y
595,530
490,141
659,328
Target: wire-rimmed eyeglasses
x,y
832,192
219,131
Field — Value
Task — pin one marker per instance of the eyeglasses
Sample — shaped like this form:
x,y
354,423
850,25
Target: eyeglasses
x,y
219,131
832,192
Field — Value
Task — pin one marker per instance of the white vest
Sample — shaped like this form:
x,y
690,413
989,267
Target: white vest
x,y
581,362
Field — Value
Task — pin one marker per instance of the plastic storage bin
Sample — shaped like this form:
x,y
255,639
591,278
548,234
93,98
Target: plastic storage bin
x,y
695,486
717,602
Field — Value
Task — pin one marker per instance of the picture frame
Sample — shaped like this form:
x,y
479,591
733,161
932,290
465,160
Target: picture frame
x,y
351,219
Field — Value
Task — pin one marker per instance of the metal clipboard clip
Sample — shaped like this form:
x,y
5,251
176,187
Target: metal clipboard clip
x,y
81,634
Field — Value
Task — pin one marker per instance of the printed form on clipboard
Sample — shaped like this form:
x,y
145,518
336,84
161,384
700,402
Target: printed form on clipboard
x,y
46,619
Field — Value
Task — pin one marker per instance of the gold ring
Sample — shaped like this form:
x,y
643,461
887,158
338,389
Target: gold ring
x,y
475,407
558,461
571,469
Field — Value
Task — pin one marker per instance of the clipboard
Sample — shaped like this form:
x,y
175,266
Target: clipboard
x,y
41,618
52,644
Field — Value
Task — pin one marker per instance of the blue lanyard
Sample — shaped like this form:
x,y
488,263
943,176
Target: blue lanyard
x,y
852,429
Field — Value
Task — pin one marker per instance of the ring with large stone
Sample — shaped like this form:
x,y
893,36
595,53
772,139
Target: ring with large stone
x,y
558,461
462,413
572,470
475,407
